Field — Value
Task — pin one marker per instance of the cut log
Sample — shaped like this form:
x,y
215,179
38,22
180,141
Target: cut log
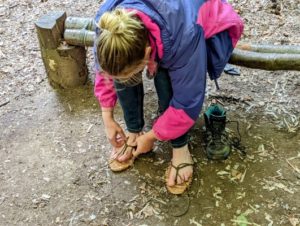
x,y
65,65
266,61
79,37
80,23
50,29
290,49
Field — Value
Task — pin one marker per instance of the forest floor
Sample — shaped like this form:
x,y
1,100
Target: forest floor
x,y
53,150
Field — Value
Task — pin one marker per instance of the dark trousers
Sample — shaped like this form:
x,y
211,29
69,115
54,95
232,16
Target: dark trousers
x,y
131,99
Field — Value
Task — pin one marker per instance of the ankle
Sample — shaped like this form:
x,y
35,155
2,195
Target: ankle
x,y
182,151
132,136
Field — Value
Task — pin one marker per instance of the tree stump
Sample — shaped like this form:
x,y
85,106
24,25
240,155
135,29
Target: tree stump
x,y
65,65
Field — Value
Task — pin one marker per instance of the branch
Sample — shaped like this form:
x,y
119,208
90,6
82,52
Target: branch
x,y
267,48
266,61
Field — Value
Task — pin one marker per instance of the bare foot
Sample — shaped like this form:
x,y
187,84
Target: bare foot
x,y
128,152
180,155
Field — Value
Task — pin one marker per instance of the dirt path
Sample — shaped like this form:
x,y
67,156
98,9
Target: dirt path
x,y
53,149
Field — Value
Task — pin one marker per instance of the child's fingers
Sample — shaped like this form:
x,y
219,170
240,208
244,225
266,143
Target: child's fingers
x,y
122,134
119,143
136,152
116,140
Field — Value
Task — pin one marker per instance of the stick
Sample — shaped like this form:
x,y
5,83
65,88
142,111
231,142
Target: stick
x,y
245,222
294,168
4,103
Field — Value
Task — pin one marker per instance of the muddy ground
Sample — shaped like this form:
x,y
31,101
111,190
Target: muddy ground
x,y
53,150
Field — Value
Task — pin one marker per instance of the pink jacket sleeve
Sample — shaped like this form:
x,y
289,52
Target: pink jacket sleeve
x,y
172,124
104,91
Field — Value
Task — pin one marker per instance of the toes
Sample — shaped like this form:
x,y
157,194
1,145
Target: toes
x,y
180,179
124,157
171,180
114,154
188,174
186,177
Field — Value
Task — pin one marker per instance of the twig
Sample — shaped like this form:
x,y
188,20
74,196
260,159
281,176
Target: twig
x,y
141,211
2,200
90,127
276,85
254,209
13,6
193,221
159,200
245,222
291,165
70,107
243,176
4,103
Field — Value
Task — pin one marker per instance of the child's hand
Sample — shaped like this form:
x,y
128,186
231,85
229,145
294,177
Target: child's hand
x,y
113,130
144,143
115,134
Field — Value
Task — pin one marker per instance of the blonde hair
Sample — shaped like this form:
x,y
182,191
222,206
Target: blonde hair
x,y
122,41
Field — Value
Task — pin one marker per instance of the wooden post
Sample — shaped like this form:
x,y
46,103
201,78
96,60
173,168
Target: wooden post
x,y
65,65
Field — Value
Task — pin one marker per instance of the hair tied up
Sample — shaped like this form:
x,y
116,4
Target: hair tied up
x,y
115,22
122,40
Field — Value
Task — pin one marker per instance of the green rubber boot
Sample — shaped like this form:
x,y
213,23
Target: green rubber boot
x,y
218,146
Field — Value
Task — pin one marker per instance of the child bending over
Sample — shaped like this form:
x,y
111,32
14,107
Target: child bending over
x,y
178,41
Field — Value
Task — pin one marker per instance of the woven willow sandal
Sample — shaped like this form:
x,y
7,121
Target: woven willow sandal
x,y
178,189
117,166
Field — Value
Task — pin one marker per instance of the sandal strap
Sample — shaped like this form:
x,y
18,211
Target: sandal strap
x,y
133,147
179,167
